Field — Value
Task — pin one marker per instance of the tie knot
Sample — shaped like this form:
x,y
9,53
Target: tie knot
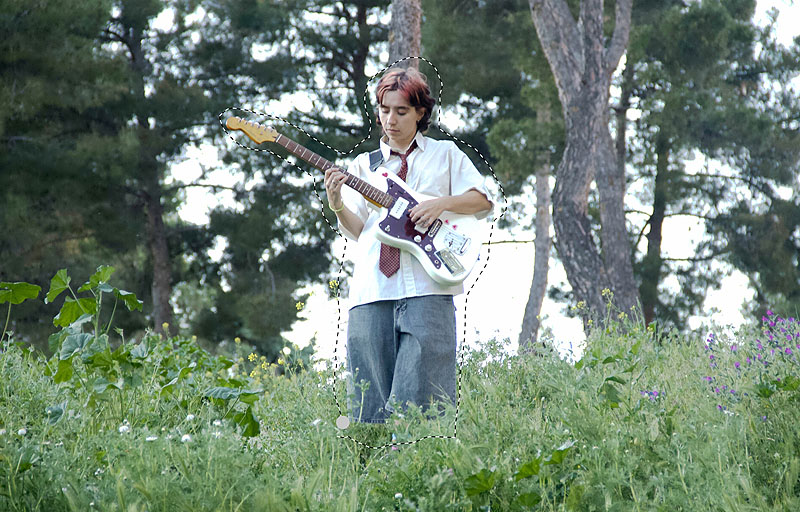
x,y
403,156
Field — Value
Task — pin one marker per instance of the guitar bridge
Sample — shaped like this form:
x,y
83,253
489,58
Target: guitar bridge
x,y
450,261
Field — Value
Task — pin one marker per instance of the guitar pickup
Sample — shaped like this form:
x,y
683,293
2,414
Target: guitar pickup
x,y
399,207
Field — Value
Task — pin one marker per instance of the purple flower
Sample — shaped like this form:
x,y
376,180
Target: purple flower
x,y
709,379
734,347
733,391
759,345
770,313
749,360
788,351
716,390
736,364
711,356
763,418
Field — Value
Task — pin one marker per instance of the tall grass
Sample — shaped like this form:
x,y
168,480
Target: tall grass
x,y
636,424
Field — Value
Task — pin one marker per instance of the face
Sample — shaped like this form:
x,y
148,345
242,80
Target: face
x,y
399,119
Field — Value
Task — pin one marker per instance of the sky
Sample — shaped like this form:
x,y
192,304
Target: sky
x,y
496,292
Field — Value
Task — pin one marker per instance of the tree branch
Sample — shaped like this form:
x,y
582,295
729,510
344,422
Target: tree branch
x,y
622,29
561,42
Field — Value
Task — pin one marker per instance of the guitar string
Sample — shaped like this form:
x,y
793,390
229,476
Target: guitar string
x,y
344,250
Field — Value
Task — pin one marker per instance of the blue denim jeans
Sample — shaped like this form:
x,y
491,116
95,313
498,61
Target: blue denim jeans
x,y
406,350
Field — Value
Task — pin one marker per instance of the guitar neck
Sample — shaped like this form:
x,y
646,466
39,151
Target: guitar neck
x,y
372,194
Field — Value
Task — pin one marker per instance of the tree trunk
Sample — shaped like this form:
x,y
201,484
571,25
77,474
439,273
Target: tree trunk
x,y
405,32
541,264
651,267
582,67
161,287
159,255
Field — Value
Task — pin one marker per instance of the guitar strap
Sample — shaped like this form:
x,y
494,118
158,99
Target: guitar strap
x,y
375,159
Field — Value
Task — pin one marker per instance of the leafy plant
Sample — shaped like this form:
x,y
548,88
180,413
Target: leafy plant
x,y
16,293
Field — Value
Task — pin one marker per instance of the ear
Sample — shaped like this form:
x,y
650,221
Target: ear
x,y
420,112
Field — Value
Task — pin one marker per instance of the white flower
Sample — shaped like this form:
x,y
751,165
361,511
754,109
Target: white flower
x,y
316,422
217,434
124,428
190,417
398,495
186,438
2,431
151,438
287,351
216,423
22,431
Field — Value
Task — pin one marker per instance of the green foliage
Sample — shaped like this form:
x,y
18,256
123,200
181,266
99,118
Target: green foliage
x,y
173,427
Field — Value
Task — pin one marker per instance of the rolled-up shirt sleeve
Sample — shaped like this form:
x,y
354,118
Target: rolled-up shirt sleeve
x,y
464,177
353,200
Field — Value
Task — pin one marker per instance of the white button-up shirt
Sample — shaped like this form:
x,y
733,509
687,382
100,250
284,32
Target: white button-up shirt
x,y
436,168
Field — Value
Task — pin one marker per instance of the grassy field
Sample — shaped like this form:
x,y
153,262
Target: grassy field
x,y
641,422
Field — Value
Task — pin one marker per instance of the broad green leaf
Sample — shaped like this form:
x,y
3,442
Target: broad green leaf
x,y
131,302
616,379
140,350
247,420
73,344
557,457
86,317
65,371
56,339
102,275
250,397
16,293
221,392
55,412
480,482
168,387
528,469
528,499
101,385
72,310
58,284
97,345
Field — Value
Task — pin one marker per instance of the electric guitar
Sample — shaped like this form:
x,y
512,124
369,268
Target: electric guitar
x,y
447,249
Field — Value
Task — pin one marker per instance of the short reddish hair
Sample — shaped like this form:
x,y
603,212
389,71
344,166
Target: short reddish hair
x,y
413,86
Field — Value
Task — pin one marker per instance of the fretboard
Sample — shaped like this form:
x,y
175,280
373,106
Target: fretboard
x,y
371,193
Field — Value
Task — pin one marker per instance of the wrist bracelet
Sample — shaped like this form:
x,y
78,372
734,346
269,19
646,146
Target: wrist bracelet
x,y
334,209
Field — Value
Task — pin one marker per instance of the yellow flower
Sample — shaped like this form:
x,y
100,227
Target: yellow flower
x,y
165,326
299,306
590,322
264,366
263,358
622,315
252,374
252,357
280,361
606,292
237,340
333,283
194,338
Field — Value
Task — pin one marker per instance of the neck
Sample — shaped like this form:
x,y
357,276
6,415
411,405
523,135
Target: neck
x,y
401,146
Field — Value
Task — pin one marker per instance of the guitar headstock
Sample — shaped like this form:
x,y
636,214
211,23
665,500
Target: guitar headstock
x,y
255,131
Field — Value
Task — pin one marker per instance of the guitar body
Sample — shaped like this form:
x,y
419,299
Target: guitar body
x,y
447,250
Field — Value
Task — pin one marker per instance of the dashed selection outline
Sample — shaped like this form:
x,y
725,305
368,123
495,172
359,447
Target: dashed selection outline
x,y
344,250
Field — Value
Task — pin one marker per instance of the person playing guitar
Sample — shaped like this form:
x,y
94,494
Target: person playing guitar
x,y
401,335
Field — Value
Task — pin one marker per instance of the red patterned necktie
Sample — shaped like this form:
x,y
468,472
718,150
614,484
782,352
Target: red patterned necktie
x,y
389,262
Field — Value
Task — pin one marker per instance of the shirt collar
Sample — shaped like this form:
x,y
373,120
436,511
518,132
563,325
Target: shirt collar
x,y
386,149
